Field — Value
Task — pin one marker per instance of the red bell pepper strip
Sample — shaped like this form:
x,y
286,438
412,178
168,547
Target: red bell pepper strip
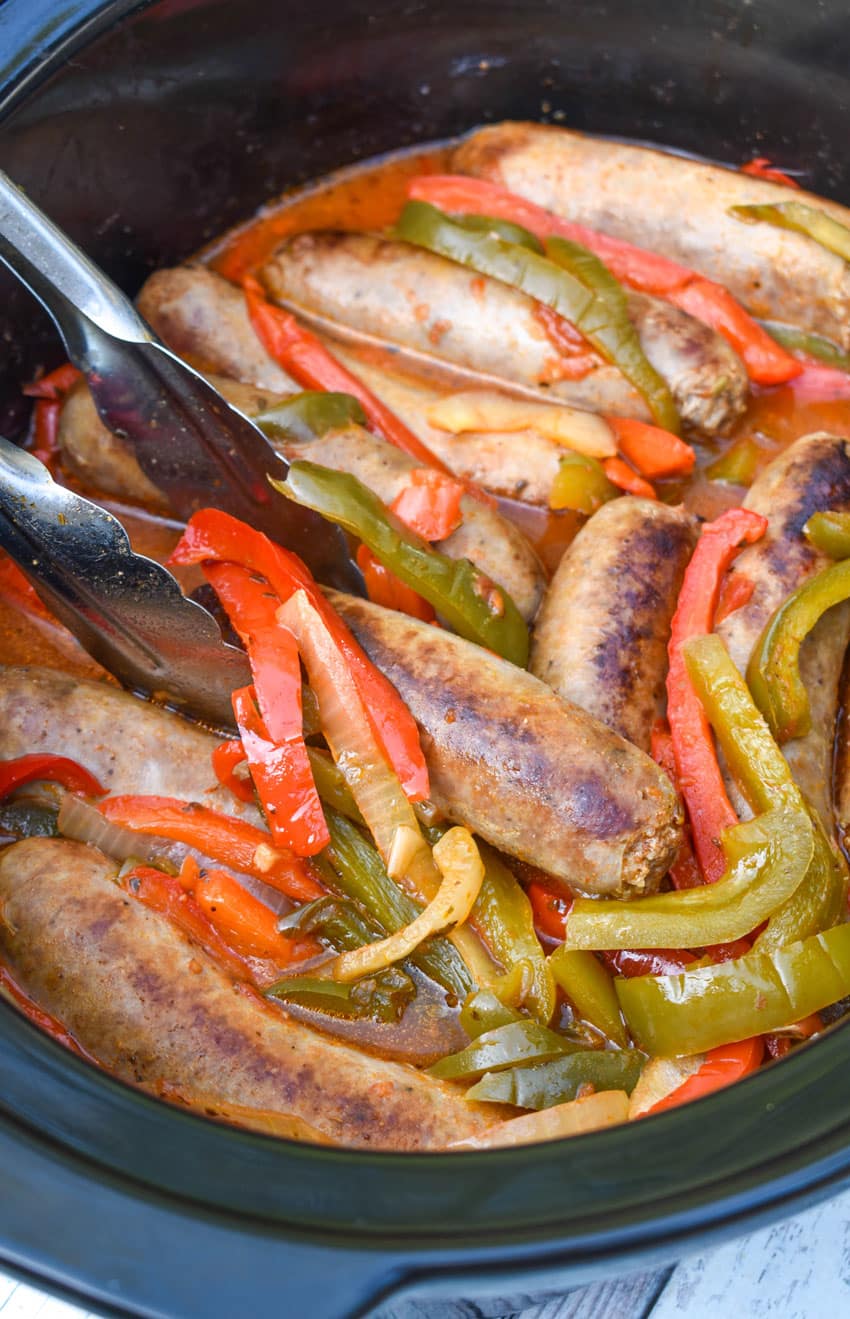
x,y
734,594
247,925
429,503
762,168
226,839
384,588
709,808
216,536
632,962
306,358
55,769
277,754
766,361
722,1067
684,872
550,903
816,382
55,384
285,786
778,1045
225,760
168,895
624,478
655,452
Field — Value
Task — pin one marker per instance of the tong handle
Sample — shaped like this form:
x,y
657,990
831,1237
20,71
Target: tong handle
x,y
78,296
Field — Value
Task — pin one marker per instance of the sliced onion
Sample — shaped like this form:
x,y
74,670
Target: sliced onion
x,y
462,869
345,724
79,820
607,1108
488,410
659,1078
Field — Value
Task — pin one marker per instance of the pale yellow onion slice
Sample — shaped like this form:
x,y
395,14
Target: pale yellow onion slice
x,y
608,1108
487,410
463,872
659,1078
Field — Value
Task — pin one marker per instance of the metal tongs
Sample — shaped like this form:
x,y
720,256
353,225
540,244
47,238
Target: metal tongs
x,y
128,611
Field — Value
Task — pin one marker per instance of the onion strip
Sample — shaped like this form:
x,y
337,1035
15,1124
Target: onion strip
x,y
607,1108
462,869
486,410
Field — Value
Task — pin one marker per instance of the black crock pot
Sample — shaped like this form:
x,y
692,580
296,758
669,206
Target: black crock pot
x,y
144,129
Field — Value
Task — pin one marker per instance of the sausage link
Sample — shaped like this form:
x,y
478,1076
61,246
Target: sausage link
x,y
361,285
531,773
601,637
677,207
811,476
156,1011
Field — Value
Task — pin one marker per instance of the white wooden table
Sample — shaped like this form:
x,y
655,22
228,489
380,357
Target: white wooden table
x,y
799,1269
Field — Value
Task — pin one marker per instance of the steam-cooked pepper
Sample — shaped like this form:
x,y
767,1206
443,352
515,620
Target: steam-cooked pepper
x,y
542,1085
766,781
811,345
763,991
382,997
361,875
580,485
767,860
516,1042
594,304
475,607
331,785
310,414
590,989
738,465
773,673
802,219
829,533
483,1012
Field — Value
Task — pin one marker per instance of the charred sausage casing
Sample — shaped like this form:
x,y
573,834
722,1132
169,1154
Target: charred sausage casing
x,y
531,773
155,1010
811,476
600,639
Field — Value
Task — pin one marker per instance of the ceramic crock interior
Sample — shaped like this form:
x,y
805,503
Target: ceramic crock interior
x,y
177,118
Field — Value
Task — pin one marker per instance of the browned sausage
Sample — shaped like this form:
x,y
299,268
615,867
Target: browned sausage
x,y
601,636
492,542
678,207
529,772
363,285
811,476
155,1010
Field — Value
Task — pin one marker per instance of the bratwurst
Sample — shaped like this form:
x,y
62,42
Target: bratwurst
x,y
531,773
490,541
154,1009
397,294
601,636
677,207
811,476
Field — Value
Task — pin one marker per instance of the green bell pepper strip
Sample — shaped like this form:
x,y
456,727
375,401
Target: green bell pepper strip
x,y
758,765
503,917
581,485
380,998
812,345
770,858
331,785
829,533
590,989
608,326
515,1042
483,1012
309,415
504,229
694,1011
738,465
472,605
335,921
21,819
543,1085
773,673
597,308
360,874
802,219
